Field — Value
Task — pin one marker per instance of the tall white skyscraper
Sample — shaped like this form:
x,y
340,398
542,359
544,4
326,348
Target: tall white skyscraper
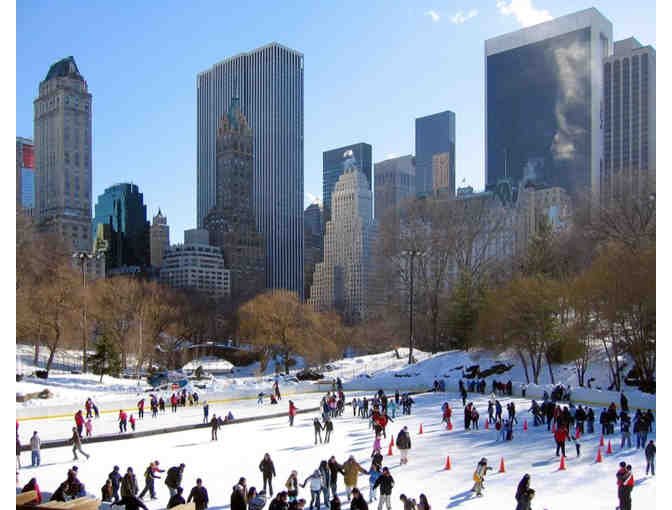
x,y
543,102
343,280
63,154
269,83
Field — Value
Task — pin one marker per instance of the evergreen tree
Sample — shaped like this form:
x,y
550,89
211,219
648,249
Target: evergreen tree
x,y
107,358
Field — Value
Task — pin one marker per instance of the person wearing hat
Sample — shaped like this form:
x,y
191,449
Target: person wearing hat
x,y
479,476
409,504
351,470
129,484
620,478
386,482
174,478
404,444
115,477
239,496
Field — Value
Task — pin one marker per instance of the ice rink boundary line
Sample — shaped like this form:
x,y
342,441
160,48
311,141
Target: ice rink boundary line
x,y
218,401
104,438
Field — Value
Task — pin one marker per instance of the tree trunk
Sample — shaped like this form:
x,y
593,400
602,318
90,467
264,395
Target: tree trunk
x,y
52,352
37,352
550,368
524,362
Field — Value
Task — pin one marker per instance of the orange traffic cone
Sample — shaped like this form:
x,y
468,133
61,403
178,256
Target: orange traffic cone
x,y
599,455
392,441
447,468
609,451
501,466
602,440
562,464
487,424
525,425
450,425
420,429
389,450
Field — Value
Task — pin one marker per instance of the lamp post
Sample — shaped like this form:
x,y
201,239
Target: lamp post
x,y
83,258
411,254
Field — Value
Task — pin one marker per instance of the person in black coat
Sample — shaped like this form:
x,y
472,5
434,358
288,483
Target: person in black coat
x,y
115,476
523,486
318,428
238,501
280,502
335,504
525,500
386,482
358,501
268,470
650,453
199,494
130,502
624,402
177,499
174,478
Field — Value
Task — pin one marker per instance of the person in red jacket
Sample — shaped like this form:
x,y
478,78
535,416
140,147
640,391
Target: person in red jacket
x,y
87,406
79,421
292,413
561,436
132,420
141,409
122,421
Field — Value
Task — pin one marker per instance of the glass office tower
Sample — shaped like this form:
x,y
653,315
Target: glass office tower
x,y
543,102
434,134
269,83
122,208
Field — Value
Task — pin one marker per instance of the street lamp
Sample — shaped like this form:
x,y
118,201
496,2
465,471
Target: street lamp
x,y
411,254
83,258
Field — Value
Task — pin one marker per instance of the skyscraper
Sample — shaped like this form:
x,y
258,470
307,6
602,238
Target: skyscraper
x,y
443,174
269,83
62,140
332,169
122,208
543,99
434,134
25,173
629,120
395,182
312,243
159,239
343,280
231,223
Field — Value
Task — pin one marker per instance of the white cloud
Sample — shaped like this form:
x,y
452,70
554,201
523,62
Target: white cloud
x,y
392,155
460,17
523,11
433,14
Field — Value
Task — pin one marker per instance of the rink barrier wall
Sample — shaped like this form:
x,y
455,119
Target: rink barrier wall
x,y
103,438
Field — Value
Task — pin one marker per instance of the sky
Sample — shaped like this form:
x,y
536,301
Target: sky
x,y
370,68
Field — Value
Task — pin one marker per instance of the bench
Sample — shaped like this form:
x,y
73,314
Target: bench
x,y
25,497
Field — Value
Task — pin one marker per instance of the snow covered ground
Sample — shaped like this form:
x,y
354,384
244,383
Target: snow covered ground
x,y
584,484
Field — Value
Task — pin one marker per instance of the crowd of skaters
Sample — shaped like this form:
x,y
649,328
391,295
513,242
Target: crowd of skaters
x,y
123,490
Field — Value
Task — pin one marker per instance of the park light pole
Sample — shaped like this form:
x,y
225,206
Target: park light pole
x,y
83,258
411,254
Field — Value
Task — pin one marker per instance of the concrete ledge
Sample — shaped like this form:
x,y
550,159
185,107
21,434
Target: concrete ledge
x,y
103,438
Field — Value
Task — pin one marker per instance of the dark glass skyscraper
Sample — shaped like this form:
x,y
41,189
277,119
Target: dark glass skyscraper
x,y
434,134
332,169
544,93
122,208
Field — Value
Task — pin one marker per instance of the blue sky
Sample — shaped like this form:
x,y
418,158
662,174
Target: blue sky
x,y
371,68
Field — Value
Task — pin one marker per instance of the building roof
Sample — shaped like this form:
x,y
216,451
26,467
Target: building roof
x,y
64,67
